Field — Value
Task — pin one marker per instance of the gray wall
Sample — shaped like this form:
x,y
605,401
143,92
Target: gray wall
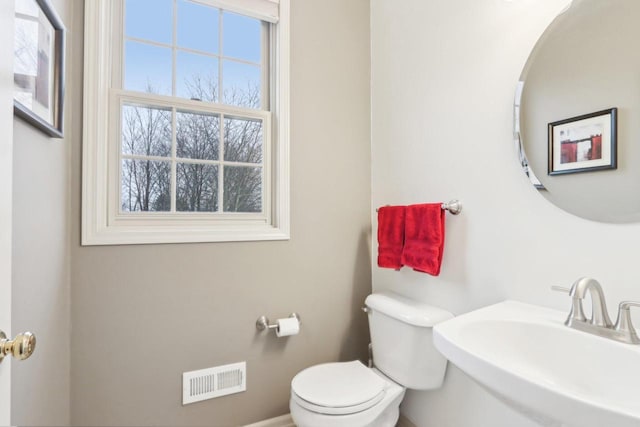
x,y
444,75
40,300
142,315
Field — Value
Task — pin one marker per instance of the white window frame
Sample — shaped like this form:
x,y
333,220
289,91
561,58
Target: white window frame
x,y
102,221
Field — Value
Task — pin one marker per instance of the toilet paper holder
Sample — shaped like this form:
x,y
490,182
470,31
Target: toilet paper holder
x,y
263,322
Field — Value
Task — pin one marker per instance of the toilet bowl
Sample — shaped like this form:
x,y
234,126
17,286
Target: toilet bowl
x,y
344,394
348,394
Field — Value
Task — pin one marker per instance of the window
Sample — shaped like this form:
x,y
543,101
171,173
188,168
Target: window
x,y
185,121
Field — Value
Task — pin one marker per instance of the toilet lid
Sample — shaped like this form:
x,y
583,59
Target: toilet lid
x,y
344,387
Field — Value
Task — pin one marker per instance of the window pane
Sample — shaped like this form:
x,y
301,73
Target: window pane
x,y
150,20
242,84
147,68
197,77
197,187
242,37
146,185
243,140
146,131
198,136
197,26
242,189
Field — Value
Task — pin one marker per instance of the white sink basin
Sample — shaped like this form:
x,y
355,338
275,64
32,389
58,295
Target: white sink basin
x,y
526,356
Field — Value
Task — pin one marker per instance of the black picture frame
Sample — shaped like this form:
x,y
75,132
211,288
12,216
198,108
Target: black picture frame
x,y
584,143
52,126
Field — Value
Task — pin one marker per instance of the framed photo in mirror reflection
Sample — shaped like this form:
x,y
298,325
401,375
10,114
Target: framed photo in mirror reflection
x,y
584,143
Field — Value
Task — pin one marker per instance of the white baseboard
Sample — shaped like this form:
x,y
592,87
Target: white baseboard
x,y
282,421
404,422
286,421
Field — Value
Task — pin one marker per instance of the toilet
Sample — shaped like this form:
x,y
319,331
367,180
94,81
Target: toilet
x,y
349,394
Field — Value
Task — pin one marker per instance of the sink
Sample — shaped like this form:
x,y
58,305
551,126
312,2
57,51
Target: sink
x,y
558,376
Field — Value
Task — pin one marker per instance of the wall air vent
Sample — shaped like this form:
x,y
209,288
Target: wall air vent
x,y
213,382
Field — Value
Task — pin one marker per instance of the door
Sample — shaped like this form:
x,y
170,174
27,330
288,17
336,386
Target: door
x,y
6,163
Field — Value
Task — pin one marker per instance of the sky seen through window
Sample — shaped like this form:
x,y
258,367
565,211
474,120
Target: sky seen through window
x,y
207,41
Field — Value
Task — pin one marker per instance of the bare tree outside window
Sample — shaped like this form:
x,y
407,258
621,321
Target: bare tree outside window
x,y
242,189
146,183
197,137
202,160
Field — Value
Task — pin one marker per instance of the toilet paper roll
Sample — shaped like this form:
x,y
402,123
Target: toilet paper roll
x,y
287,327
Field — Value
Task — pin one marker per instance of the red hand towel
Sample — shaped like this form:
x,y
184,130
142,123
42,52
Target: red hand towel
x,y
424,238
390,236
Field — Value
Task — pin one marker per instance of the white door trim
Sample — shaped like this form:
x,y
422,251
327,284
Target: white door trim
x,y
6,191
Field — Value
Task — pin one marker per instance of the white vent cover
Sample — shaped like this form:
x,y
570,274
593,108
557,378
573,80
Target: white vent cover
x,y
213,382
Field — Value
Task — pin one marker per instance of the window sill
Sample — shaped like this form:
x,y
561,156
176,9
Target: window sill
x,y
127,235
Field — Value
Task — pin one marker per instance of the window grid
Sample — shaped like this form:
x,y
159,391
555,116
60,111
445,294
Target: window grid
x,y
221,157
174,53
220,60
220,56
174,159
174,150
191,50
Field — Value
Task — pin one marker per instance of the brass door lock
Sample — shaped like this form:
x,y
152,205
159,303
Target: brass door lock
x,y
21,347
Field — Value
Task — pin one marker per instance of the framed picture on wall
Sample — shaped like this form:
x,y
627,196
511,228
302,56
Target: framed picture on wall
x,y
38,71
584,143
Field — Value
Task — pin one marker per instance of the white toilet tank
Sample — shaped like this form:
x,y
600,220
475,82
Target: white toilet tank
x,y
401,337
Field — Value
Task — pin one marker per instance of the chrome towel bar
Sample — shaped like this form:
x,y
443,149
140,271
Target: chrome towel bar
x,y
453,206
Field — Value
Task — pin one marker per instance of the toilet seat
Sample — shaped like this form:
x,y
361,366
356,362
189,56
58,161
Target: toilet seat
x,y
338,388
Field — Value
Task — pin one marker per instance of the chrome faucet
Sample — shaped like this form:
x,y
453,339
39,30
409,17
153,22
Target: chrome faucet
x,y
600,323
599,316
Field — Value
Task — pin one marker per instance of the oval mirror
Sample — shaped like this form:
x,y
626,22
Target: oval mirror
x,y
577,117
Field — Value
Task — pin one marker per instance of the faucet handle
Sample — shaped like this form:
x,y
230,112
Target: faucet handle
x,y
624,324
560,289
